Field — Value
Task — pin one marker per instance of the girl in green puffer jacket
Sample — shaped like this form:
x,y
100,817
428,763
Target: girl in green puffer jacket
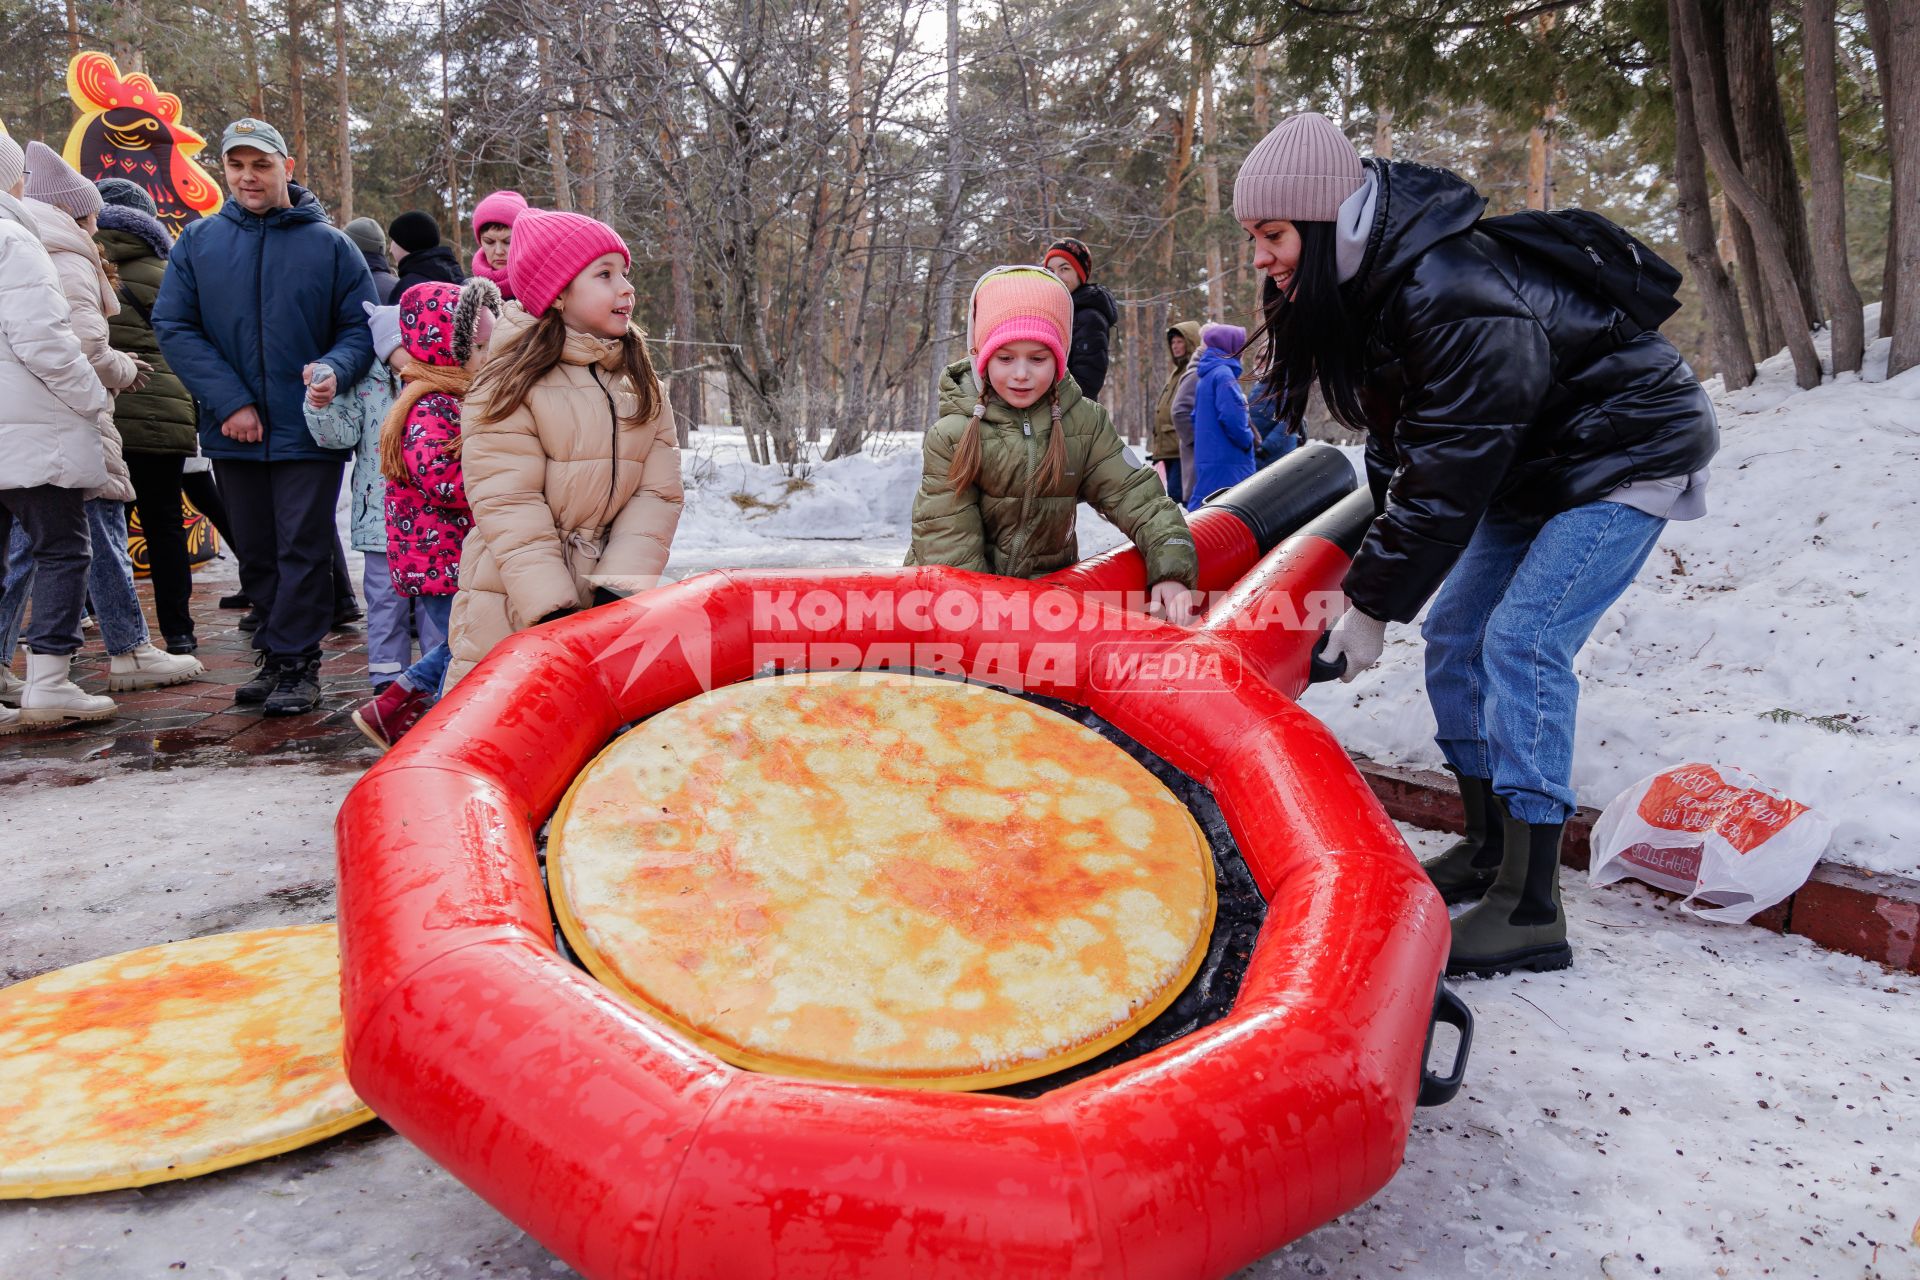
x,y
1002,475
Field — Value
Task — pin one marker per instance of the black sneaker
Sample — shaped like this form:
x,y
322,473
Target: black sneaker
x,y
238,600
298,690
182,644
255,618
255,691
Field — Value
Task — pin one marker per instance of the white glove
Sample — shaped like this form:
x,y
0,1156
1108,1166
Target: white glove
x,y
1357,638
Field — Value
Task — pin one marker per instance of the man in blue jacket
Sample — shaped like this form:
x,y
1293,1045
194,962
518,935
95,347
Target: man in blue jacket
x,y
259,301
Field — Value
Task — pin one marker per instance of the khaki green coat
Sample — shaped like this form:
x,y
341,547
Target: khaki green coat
x,y
1005,523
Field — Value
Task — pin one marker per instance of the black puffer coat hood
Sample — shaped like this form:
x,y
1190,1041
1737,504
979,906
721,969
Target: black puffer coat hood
x,y
438,265
1093,315
1491,381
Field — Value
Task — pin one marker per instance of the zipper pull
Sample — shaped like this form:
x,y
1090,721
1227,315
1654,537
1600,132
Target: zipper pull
x,y
1026,425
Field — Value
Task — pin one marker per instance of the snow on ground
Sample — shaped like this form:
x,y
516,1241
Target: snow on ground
x,y
851,512
1689,1101
1780,633
125,859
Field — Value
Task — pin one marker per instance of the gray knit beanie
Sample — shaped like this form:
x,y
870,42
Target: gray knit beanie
x,y
366,233
128,195
1300,172
51,180
13,163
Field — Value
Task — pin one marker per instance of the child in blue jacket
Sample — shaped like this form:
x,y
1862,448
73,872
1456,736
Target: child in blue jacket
x,y
1222,435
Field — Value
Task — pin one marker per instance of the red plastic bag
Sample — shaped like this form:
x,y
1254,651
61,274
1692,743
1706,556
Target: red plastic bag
x,y
1714,833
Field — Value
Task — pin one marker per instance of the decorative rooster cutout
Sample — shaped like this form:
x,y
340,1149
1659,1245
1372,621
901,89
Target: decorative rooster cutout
x,y
129,129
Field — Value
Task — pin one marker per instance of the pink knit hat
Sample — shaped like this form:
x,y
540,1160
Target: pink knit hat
x,y
1301,172
53,181
550,249
1019,304
503,207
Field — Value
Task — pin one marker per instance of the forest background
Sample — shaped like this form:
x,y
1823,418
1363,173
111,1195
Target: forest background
x,y
810,186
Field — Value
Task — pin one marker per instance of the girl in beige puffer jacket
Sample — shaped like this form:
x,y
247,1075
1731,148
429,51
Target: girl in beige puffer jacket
x,y
572,467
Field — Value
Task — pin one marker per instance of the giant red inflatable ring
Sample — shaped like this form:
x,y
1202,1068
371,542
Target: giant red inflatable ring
x,y
631,1153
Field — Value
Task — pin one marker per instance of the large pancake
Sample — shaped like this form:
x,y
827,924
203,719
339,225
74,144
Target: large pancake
x,y
172,1061
884,878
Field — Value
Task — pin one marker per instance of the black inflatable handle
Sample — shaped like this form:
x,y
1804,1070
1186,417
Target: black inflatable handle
x,y
1278,500
1319,669
1451,1009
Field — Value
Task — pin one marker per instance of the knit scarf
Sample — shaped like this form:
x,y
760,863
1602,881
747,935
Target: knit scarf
x,y
420,380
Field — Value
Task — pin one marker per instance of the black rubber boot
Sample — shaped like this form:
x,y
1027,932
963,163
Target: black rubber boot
x,y
1465,870
1519,924
255,691
298,690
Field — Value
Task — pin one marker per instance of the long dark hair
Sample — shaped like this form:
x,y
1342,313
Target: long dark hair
x,y
1311,334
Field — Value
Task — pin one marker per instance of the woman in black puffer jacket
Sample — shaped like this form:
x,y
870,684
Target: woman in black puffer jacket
x,y
1526,444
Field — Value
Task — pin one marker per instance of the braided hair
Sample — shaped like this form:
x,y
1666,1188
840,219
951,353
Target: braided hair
x,y
965,468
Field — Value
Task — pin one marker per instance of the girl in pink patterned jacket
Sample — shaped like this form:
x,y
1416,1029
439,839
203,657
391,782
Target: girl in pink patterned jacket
x,y
444,330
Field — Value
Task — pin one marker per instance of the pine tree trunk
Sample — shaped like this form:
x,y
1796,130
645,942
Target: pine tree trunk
x,y
1828,182
256,98
1540,142
1765,152
854,408
1179,166
1732,358
942,321
1538,193
1902,54
446,139
1210,186
1766,333
73,30
687,388
344,99
1262,110
556,133
129,22
1880,32
1769,239
1383,134
296,98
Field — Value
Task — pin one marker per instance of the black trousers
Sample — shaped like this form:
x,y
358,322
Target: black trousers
x,y
202,490
342,576
156,497
282,518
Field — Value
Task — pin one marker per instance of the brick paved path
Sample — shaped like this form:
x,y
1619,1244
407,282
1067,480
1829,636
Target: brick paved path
x,y
196,723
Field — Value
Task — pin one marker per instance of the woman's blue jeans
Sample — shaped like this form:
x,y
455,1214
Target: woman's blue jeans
x,y
1501,638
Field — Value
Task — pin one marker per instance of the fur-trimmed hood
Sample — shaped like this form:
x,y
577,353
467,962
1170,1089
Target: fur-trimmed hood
x,y
440,323
136,222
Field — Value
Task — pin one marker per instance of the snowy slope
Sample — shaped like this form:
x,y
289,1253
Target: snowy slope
x,y
1781,633
851,511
